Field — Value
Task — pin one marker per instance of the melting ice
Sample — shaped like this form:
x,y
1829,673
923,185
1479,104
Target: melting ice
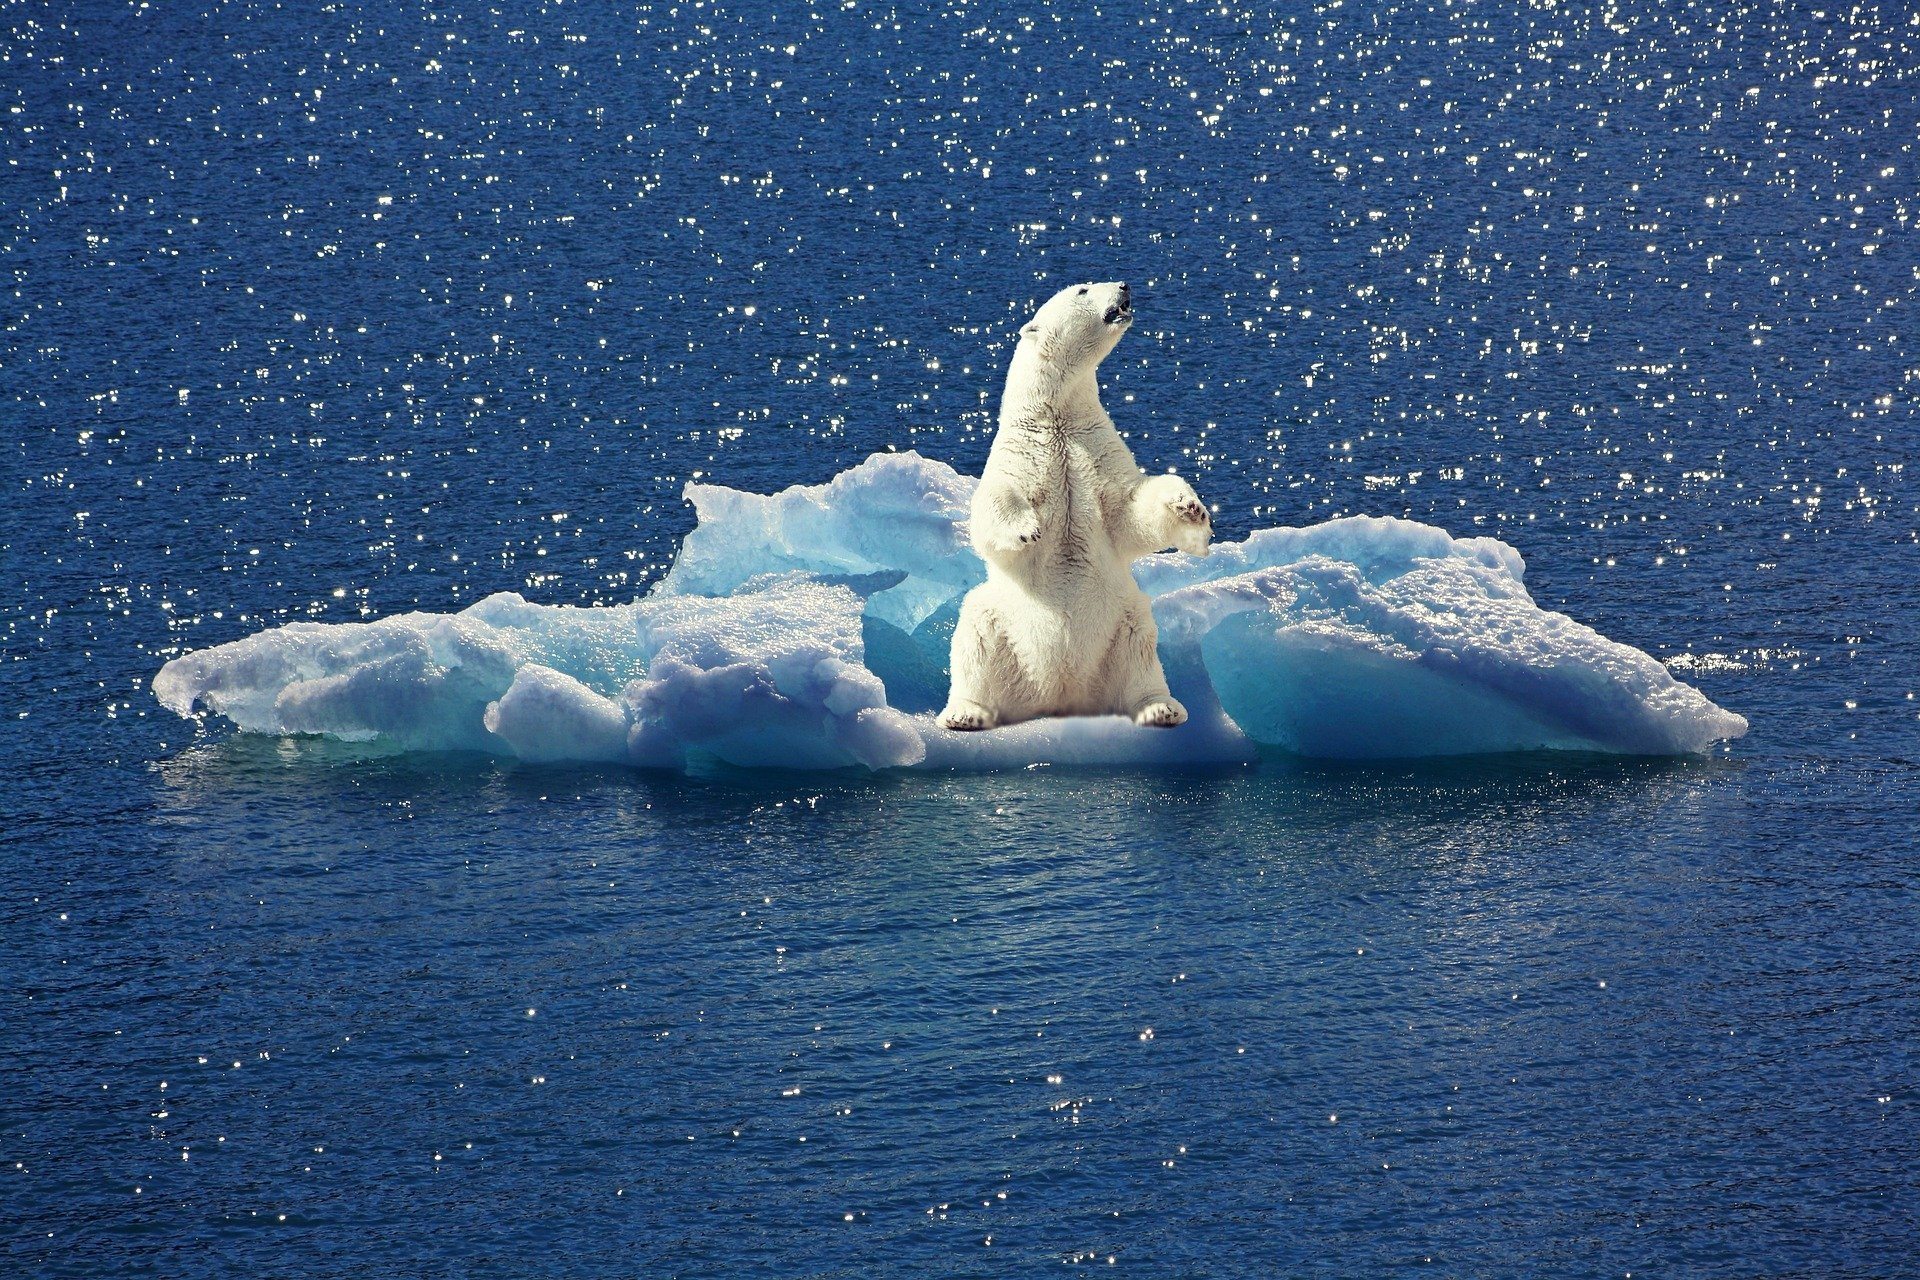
x,y
809,629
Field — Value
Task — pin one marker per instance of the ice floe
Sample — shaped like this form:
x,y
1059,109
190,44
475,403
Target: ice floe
x,y
808,629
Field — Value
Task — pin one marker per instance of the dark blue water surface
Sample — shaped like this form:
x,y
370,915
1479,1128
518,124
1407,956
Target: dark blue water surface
x,y
338,310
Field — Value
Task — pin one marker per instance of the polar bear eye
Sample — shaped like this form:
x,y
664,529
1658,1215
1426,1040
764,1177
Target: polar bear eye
x,y
1083,292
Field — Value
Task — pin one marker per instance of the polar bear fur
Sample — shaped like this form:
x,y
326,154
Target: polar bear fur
x,y
1060,628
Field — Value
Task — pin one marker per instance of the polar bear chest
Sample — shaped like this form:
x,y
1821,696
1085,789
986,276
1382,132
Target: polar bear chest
x,y
1076,505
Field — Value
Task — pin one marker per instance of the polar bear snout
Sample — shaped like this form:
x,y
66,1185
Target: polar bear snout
x,y
1121,309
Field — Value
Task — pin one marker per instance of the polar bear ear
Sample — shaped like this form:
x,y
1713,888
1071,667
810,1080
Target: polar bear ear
x,y
1032,330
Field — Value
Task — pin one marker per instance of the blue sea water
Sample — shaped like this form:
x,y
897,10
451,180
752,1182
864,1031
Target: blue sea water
x,y
336,311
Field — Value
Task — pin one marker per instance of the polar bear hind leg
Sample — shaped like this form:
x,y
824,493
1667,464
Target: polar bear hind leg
x,y
1138,684
983,668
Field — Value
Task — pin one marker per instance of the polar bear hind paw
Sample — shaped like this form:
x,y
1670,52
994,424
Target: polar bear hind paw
x,y
967,717
1160,713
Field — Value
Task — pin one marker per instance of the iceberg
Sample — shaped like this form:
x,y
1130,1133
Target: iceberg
x,y
808,629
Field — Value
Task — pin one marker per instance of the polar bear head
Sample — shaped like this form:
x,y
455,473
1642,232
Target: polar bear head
x,y
1077,326
1064,343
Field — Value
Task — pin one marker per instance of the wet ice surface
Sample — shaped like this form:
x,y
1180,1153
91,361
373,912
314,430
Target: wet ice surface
x,y
332,315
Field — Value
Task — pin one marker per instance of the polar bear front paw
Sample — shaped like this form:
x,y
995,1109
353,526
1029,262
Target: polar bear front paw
x,y
1188,509
967,717
1160,713
1192,523
1007,540
1171,515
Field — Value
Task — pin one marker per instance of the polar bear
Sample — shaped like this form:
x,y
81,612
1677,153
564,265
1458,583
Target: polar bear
x,y
1060,628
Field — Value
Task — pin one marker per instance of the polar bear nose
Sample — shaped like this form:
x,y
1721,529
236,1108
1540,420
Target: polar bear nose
x,y
1126,296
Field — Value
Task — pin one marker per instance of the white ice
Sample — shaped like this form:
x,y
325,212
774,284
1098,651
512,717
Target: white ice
x,y
808,629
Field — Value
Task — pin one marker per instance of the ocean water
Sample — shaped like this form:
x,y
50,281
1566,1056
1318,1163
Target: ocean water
x,y
337,311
